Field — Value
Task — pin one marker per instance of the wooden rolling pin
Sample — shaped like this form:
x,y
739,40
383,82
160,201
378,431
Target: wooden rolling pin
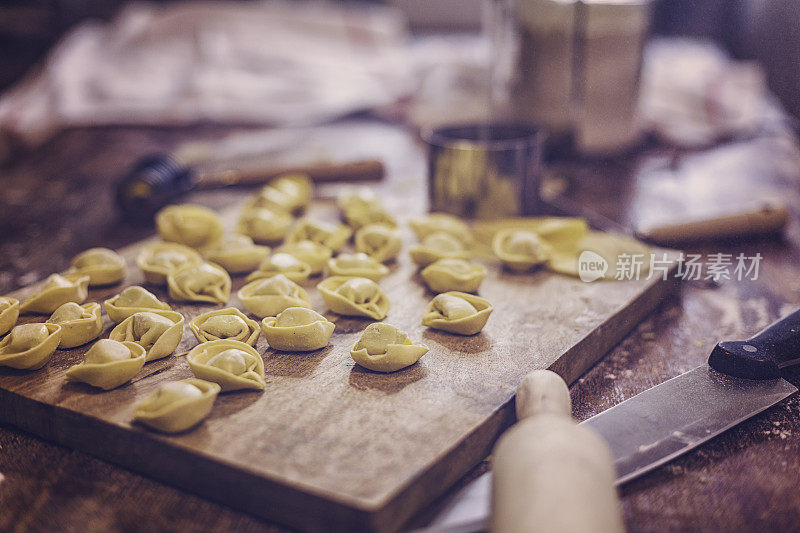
x,y
551,475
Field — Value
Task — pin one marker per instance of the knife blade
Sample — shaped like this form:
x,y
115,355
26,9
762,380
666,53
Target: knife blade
x,y
741,379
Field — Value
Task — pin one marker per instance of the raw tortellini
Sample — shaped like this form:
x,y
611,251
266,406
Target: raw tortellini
x,y
29,346
225,324
9,313
178,405
263,224
282,263
442,222
233,365
453,275
79,323
379,241
438,245
354,297
268,297
103,266
289,193
159,335
133,300
457,312
200,283
108,364
236,253
297,329
363,207
311,253
357,265
56,291
520,250
384,348
158,259
192,225
331,236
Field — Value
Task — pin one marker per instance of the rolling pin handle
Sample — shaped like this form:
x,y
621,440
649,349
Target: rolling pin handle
x,y
542,391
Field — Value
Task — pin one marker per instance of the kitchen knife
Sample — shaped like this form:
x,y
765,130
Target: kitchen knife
x,y
741,379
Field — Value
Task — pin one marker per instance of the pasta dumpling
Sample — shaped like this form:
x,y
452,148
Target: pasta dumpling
x,y
231,364
354,297
108,364
442,222
371,214
331,236
56,291
132,300
225,324
103,266
282,263
192,225
384,348
158,259
177,405
268,297
457,312
200,283
379,241
520,250
311,253
358,265
357,199
79,323
159,335
29,346
453,275
9,313
297,329
438,245
236,253
264,225
289,193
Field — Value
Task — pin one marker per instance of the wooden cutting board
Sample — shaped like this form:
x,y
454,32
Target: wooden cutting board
x,y
331,445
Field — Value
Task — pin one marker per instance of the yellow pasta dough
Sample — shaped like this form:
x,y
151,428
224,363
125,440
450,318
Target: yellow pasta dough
x,y
442,222
108,364
158,259
236,253
178,405
29,346
56,291
199,283
453,275
359,198
103,266
282,263
297,329
159,335
289,193
79,323
331,236
191,225
554,230
264,225
613,248
379,241
311,253
357,265
132,300
384,348
9,313
353,296
438,245
372,214
268,297
457,312
231,364
520,250
225,324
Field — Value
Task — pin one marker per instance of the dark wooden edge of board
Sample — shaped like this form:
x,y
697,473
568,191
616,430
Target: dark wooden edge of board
x,y
275,501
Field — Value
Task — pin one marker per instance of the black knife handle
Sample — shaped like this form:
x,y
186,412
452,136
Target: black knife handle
x,y
762,356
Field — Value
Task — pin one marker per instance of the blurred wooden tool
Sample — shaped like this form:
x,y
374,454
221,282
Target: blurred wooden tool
x,y
551,475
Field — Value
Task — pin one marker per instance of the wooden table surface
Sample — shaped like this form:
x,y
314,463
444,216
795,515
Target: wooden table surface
x,y
57,202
